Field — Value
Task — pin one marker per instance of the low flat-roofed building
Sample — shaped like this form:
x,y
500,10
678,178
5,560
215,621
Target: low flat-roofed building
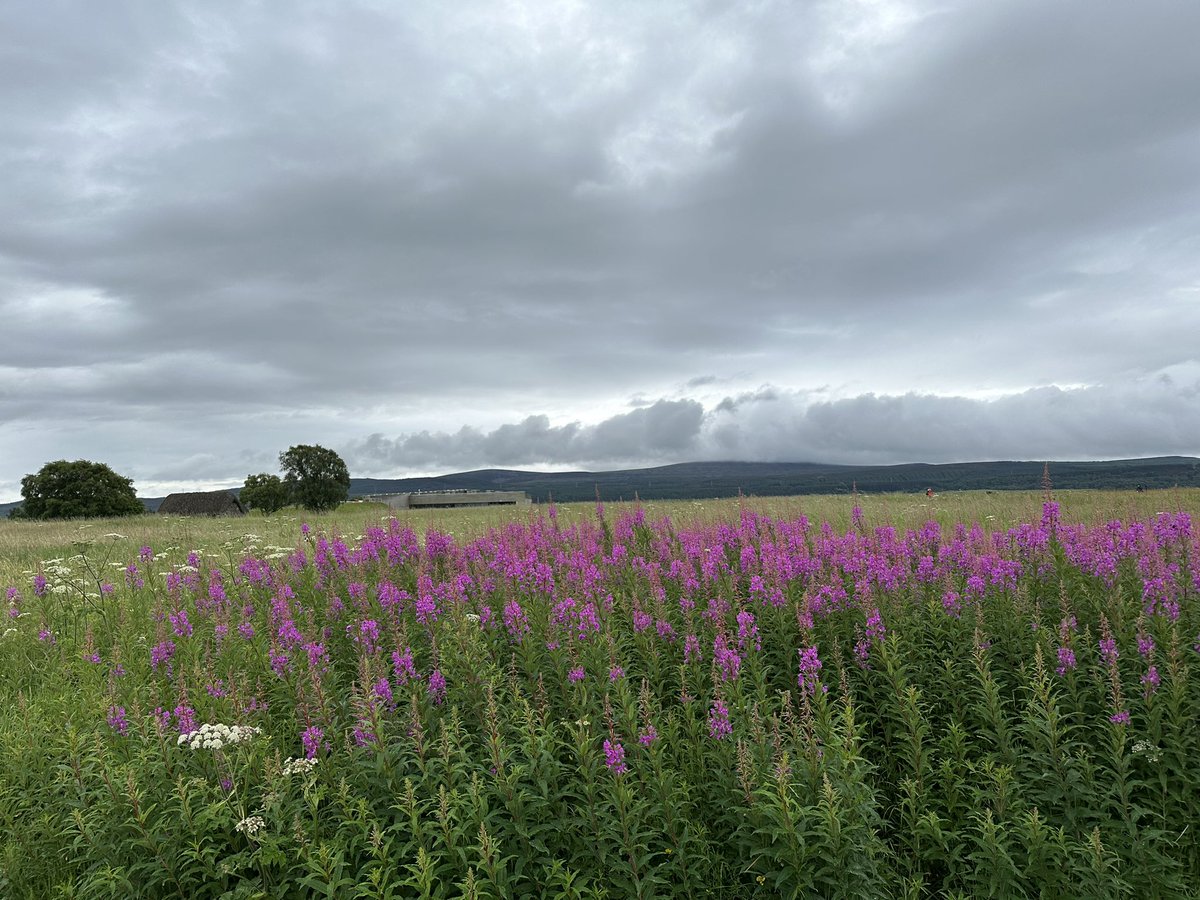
x,y
451,499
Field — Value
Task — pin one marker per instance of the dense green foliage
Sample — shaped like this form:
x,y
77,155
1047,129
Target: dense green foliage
x,y
316,477
622,708
266,493
76,490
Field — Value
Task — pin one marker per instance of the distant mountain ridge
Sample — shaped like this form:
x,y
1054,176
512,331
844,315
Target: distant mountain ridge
x,y
700,480
725,479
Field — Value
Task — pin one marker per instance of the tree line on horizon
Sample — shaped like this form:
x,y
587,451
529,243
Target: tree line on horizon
x,y
314,477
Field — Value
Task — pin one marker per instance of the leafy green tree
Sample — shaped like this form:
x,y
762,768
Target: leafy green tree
x,y
265,492
316,478
75,490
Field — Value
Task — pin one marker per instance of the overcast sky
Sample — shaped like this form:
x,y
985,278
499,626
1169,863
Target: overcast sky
x,y
439,236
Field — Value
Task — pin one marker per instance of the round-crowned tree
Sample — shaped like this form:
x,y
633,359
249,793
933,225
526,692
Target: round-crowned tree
x,y
265,492
79,489
315,477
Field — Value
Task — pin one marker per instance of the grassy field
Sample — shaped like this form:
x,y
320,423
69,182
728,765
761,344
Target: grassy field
x,y
877,696
24,544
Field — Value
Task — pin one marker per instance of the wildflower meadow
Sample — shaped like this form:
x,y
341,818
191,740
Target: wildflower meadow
x,y
617,702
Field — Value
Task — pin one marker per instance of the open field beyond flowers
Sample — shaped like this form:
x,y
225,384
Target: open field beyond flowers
x,y
965,696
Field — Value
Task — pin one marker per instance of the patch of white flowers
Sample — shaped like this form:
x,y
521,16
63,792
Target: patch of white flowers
x,y
1154,754
300,766
215,737
251,825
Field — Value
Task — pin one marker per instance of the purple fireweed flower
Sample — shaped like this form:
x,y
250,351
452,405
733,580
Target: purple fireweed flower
x,y
46,636
614,757
161,654
318,657
39,585
719,726
106,588
616,673
515,621
216,590
383,691
403,666
809,678
691,649
862,653
311,738
648,736
426,608
279,663
641,620
437,686
1050,515
1108,651
727,660
389,595
875,629
363,737
161,718
217,689
193,559
1121,717
1145,644
179,622
576,675
368,635
117,721
185,718
1151,680
856,516
587,622
1066,660
145,554
246,630
227,784
747,631
951,604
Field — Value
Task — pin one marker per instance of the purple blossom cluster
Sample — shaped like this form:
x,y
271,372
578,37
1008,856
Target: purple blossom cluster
x,y
713,605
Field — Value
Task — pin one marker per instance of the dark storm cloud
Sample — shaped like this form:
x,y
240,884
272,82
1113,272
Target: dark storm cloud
x,y
359,217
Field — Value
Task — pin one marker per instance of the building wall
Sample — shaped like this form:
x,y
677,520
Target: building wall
x,y
445,499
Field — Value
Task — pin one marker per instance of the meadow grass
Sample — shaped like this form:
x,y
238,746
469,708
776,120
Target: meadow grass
x,y
880,695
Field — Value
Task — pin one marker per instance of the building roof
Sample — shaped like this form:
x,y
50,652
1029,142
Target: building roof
x,y
202,503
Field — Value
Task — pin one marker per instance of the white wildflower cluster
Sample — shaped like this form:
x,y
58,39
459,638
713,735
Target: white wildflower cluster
x,y
215,737
251,825
299,766
1154,754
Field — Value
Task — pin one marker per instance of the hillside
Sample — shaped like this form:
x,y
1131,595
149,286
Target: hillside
x,y
726,479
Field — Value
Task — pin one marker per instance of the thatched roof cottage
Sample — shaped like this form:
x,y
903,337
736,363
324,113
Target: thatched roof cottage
x,y
202,503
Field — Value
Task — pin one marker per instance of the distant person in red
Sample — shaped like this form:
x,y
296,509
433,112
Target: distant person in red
x,y
928,492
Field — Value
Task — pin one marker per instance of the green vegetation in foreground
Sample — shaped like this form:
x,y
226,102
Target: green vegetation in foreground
x,y
712,698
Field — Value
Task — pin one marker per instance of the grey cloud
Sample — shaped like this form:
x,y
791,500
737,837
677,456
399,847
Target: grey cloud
x,y
664,428
1150,416
362,217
